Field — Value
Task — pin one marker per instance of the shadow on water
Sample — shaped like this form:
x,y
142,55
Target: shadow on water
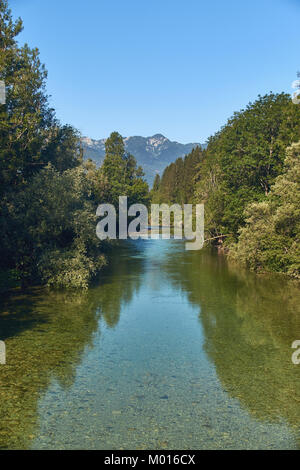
x,y
46,333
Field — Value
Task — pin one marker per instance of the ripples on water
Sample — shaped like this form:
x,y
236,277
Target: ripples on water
x,y
171,349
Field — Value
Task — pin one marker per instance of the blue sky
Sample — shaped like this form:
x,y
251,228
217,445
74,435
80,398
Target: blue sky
x,y
180,68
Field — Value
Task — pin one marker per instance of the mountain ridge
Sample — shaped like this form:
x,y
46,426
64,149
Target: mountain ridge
x,y
153,153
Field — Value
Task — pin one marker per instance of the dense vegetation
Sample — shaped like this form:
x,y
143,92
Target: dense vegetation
x,y
271,237
176,183
248,178
258,221
49,195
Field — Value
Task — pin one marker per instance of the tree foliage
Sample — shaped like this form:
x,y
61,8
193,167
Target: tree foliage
x,y
51,236
242,161
120,175
30,135
49,195
233,177
271,237
177,181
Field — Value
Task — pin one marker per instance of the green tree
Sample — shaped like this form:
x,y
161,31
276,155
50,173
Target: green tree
x,y
177,182
242,161
156,182
154,194
30,135
113,168
271,238
49,235
31,138
120,175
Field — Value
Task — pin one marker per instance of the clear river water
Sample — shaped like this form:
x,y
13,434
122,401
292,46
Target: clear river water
x,y
170,349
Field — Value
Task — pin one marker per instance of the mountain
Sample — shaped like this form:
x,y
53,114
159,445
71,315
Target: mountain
x,y
152,153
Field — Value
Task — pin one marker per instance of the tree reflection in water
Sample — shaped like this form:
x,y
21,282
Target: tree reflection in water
x,y
46,333
249,323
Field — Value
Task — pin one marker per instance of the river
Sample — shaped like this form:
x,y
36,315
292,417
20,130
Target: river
x,y
170,349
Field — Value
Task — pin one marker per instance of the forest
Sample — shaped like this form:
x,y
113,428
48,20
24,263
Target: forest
x,y
150,227
49,195
248,177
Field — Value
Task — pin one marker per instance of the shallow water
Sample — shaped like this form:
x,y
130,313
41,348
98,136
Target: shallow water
x,y
171,349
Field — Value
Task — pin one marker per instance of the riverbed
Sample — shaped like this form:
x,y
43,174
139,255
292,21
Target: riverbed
x,y
169,349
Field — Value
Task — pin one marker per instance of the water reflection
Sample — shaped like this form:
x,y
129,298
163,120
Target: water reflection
x,y
169,349
46,334
249,324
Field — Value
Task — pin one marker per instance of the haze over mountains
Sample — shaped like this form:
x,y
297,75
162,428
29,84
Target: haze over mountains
x,y
152,153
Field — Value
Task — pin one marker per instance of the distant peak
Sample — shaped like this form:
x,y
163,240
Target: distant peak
x,y
158,136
